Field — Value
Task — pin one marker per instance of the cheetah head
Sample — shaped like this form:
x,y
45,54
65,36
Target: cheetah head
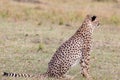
x,y
91,21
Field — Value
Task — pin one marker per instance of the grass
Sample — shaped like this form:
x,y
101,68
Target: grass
x,y
31,33
65,12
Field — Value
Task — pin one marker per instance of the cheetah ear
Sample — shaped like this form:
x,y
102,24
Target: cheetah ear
x,y
93,18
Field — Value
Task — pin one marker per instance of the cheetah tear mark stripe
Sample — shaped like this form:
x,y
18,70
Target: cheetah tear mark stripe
x,y
16,75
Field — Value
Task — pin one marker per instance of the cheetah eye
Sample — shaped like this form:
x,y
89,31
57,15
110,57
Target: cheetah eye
x,y
93,18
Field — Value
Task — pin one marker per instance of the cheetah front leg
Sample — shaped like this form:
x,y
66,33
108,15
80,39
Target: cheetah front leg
x,y
84,62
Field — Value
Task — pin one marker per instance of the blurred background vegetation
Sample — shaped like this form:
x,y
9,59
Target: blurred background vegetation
x,y
60,11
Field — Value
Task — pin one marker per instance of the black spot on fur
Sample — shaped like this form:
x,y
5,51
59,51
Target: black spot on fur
x,y
15,75
12,74
18,75
5,74
28,75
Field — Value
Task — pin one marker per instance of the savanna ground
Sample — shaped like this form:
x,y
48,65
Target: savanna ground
x,y
31,31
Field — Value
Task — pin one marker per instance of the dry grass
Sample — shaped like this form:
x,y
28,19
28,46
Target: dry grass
x,y
62,13
30,33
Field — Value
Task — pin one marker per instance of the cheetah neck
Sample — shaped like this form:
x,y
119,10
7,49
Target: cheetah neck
x,y
85,32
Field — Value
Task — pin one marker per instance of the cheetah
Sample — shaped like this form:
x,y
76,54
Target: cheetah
x,y
75,50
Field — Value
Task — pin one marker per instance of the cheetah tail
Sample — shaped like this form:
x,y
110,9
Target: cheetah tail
x,y
16,75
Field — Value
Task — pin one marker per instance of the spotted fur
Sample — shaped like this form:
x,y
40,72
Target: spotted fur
x,y
75,49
